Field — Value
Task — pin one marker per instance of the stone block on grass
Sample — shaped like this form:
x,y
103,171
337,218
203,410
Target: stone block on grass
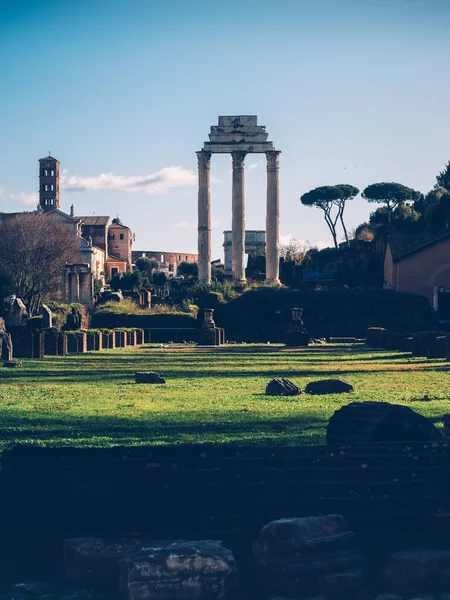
x,y
282,387
148,377
182,570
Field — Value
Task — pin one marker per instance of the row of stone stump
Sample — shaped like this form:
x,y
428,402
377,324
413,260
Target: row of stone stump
x,y
292,559
429,344
28,343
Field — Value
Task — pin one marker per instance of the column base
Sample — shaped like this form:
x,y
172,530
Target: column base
x,y
272,282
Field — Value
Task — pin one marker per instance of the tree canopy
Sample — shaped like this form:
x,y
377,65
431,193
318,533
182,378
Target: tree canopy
x,y
443,178
34,248
331,199
391,194
146,265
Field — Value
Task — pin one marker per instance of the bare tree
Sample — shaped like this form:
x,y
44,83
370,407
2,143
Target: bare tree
x,y
294,251
34,248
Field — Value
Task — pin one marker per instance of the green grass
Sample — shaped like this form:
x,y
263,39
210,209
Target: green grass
x,y
210,396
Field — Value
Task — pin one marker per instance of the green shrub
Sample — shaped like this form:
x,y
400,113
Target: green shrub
x,y
262,314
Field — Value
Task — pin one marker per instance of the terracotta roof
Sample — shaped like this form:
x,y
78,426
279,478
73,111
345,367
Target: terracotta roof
x,y
94,220
405,244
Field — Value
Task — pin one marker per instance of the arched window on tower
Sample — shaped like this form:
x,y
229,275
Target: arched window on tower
x,y
52,172
45,172
51,187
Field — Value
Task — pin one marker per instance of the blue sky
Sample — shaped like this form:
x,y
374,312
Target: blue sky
x,y
124,93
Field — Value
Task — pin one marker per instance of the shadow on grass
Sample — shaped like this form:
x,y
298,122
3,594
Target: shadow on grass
x,y
106,375
100,431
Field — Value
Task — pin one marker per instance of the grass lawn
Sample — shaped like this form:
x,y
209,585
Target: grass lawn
x,y
210,396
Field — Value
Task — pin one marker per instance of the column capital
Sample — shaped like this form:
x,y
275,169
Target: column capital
x,y
238,158
204,159
273,160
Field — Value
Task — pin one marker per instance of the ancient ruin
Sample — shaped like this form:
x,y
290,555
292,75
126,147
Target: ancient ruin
x,y
78,284
238,136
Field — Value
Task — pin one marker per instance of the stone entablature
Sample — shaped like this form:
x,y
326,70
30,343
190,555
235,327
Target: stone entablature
x,y
238,133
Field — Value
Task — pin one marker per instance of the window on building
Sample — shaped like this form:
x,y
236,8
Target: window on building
x,y
186,257
45,172
45,187
171,268
114,271
51,187
111,236
52,173
162,258
121,236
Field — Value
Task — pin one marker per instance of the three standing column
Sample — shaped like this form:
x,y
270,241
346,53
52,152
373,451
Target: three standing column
x,y
238,218
273,217
204,216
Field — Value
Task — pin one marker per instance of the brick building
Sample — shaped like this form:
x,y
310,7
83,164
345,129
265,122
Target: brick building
x,y
420,264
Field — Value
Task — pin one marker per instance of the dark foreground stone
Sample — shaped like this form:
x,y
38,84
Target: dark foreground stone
x,y
328,386
202,570
282,387
313,556
416,571
148,377
368,422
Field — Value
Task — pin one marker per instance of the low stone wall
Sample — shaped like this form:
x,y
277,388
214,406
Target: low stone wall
x,y
108,340
27,343
131,338
55,343
121,339
94,340
428,344
76,342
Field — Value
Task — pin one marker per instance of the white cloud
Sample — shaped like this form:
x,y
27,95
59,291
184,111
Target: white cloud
x,y
27,198
153,184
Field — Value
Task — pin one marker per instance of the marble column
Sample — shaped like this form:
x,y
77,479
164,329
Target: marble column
x,y
272,217
66,297
204,216
75,288
238,218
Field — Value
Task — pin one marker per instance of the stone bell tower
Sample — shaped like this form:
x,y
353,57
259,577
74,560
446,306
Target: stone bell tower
x,y
48,183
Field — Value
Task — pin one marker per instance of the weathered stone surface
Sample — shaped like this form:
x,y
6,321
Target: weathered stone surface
x,y
310,556
148,377
46,316
416,571
15,312
96,559
6,346
328,386
364,422
282,387
200,570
